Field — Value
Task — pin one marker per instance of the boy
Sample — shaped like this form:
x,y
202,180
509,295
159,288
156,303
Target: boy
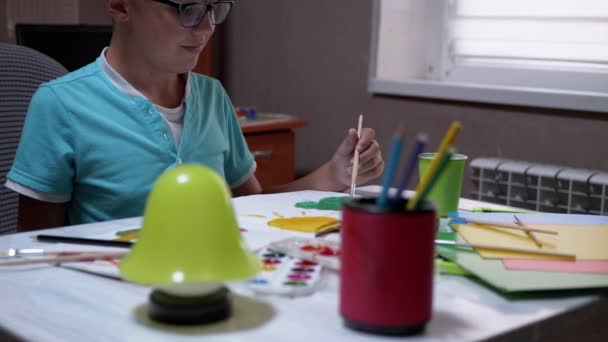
x,y
95,140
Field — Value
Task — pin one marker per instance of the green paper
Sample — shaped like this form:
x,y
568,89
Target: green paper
x,y
327,203
451,236
448,267
495,274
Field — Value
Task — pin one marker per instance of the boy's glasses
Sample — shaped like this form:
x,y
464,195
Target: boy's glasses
x,y
191,14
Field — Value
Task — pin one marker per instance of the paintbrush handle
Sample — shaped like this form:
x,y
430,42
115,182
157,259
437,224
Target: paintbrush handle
x,y
83,241
511,226
353,180
67,258
506,249
529,233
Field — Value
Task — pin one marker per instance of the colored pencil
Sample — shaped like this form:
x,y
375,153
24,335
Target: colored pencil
x,y
421,141
528,232
83,241
433,179
505,249
511,226
353,180
67,258
393,164
447,140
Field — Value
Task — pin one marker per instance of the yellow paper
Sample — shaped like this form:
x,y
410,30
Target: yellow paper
x,y
307,224
587,242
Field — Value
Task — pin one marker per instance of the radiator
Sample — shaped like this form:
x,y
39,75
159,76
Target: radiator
x,y
540,187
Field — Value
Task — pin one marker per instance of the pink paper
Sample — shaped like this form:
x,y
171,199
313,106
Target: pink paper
x,y
578,266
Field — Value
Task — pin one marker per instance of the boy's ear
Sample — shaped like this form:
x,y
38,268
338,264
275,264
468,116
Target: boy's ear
x,y
118,10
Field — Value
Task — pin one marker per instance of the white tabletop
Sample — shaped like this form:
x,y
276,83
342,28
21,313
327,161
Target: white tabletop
x,y
48,303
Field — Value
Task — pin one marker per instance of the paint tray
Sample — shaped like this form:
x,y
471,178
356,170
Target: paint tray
x,y
323,252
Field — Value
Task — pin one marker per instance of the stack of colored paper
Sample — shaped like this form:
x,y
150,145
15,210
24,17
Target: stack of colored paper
x,y
584,236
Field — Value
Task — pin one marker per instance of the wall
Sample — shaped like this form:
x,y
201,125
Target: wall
x,y
3,29
92,12
312,60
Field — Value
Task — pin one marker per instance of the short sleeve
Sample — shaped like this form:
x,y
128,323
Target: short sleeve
x,y
45,156
239,163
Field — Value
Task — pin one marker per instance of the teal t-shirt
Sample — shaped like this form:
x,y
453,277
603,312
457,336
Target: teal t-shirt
x,y
86,139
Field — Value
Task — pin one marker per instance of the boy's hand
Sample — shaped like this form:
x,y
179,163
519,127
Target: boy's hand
x,y
371,163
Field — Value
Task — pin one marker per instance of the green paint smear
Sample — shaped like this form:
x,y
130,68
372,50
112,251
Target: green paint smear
x,y
327,203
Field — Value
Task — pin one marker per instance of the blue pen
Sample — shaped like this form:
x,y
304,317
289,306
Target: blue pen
x,y
393,163
421,141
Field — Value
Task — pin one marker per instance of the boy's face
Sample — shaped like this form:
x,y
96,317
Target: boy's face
x,y
154,28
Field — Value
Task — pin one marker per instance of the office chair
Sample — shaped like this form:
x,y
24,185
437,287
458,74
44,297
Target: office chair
x,y
22,70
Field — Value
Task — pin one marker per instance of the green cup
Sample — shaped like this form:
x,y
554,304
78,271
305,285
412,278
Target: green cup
x,y
446,192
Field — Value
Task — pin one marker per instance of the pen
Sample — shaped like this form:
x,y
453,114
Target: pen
x,y
83,241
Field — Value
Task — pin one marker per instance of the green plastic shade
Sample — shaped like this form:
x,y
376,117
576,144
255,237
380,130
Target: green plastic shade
x,y
189,233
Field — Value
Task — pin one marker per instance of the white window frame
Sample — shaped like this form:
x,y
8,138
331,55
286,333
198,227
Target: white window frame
x,y
422,79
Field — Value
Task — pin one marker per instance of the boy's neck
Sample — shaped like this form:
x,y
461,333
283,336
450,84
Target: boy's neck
x,y
161,88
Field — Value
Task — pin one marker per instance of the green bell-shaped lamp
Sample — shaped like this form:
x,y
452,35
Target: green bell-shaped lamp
x,y
188,246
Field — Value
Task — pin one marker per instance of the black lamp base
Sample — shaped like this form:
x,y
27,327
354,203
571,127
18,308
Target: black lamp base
x,y
209,308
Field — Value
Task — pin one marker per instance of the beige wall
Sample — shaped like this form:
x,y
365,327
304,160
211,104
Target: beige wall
x,y
92,12
312,61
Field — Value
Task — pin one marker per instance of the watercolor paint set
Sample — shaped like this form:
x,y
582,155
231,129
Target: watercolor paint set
x,y
323,252
285,275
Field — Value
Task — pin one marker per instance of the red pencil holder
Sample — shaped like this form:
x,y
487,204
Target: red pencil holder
x,y
387,259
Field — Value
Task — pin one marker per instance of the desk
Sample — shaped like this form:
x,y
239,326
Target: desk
x,y
46,303
272,143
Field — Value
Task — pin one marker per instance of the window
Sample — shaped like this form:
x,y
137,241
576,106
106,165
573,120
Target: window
x,y
547,53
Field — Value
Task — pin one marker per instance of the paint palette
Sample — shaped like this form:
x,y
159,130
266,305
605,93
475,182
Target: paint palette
x,y
324,252
285,275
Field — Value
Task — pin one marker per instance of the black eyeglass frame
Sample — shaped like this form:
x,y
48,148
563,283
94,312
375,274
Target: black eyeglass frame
x,y
182,7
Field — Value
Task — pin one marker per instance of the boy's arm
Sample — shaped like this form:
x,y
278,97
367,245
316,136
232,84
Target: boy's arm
x,y
250,187
335,174
34,214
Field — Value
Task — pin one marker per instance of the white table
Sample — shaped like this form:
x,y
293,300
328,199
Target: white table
x,y
47,303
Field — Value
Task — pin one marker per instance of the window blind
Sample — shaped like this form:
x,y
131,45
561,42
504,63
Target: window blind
x,y
568,35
